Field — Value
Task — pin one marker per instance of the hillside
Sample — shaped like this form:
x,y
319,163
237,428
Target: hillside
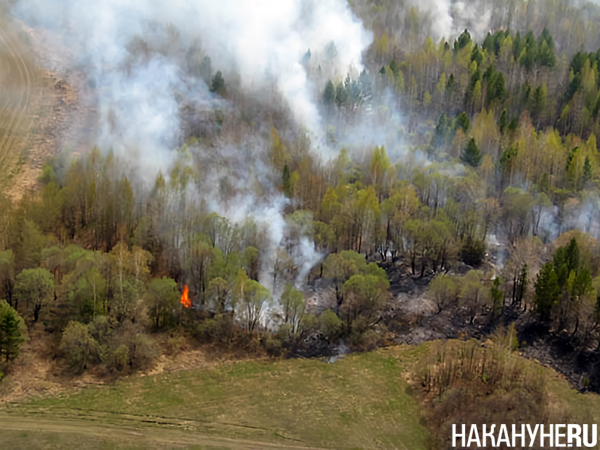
x,y
408,190
361,401
41,106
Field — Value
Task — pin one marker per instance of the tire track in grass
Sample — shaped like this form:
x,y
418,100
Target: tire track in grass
x,y
165,433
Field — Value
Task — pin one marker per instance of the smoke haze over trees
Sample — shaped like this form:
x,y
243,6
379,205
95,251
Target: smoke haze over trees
x,y
293,168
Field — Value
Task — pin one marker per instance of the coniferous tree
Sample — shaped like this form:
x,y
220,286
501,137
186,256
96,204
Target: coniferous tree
x,y
218,84
462,121
463,40
522,284
329,94
11,336
341,95
497,297
587,171
286,178
546,289
471,155
503,122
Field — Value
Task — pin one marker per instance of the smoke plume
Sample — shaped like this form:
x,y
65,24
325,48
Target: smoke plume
x,y
449,18
136,55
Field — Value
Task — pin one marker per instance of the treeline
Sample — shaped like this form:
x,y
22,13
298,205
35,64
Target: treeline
x,y
507,74
88,248
403,26
106,268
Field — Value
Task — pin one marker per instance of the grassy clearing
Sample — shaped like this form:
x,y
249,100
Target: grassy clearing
x,y
582,408
361,401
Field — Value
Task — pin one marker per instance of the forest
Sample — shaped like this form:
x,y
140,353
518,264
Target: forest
x,y
498,145
467,166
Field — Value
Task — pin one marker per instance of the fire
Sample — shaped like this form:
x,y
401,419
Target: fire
x,y
185,299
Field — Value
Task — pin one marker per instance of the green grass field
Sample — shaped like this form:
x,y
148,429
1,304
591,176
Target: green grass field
x,y
361,401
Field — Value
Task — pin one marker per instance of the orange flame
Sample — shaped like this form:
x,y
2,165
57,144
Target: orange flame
x,y
185,299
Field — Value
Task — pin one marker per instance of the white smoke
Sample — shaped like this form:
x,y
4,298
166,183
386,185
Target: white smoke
x,y
449,18
134,52
262,41
440,14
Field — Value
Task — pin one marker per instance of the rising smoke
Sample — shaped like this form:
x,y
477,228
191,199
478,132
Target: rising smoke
x,y
449,18
263,42
134,53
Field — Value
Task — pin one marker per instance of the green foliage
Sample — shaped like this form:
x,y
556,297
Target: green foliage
x,y
341,95
162,299
463,40
462,121
538,101
80,348
588,172
503,122
443,131
471,155
521,109
12,332
250,299
497,296
444,291
292,305
218,293
7,274
476,55
28,246
329,94
369,293
205,69
35,288
546,289
87,293
331,325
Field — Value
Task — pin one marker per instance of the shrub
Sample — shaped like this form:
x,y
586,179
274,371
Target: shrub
x,y
273,346
219,329
468,383
118,359
472,252
176,344
331,325
78,345
142,349
162,299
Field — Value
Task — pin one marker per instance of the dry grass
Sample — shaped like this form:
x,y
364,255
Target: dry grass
x,y
40,111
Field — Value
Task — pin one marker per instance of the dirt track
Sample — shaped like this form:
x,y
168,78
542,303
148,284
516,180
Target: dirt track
x,y
126,430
